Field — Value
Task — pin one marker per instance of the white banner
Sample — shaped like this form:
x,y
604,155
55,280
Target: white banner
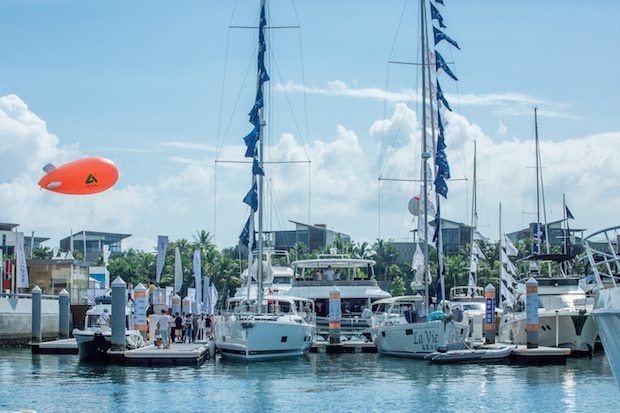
x,y
21,269
178,270
162,246
197,276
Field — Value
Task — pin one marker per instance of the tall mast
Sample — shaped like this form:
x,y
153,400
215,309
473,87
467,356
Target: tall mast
x,y
537,148
501,239
474,219
259,87
425,153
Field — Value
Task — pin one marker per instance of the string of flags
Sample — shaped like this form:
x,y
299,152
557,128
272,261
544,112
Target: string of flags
x,y
247,236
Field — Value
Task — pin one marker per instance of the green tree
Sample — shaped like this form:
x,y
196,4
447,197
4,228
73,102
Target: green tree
x,y
42,253
398,286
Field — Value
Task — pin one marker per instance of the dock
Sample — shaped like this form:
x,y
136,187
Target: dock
x,y
343,347
60,346
179,354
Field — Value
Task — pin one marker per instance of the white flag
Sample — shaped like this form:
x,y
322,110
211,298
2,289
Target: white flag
x,y
473,264
506,276
509,246
422,234
508,297
21,269
503,257
206,295
417,265
178,270
197,276
212,299
106,254
479,237
475,249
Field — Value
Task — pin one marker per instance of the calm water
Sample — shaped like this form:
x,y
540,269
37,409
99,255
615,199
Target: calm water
x,y
315,383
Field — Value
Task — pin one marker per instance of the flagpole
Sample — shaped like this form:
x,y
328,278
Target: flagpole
x,y
500,256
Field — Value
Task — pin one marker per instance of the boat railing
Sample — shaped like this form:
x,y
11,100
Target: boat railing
x,y
604,256
324,283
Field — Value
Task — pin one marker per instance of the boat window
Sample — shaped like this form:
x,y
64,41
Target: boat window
x,y
322,307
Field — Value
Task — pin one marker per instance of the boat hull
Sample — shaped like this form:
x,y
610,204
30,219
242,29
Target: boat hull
x,y
418,339
606,314
93,346
259,340
574,330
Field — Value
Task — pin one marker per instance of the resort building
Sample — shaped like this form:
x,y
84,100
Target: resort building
x,y
92,243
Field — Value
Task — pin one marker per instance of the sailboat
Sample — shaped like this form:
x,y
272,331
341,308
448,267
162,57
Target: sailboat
x,y
261,326
467,301
564,311
408,326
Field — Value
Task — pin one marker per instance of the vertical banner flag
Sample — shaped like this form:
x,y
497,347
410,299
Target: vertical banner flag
x,y
21,269
178,270
106,254
197,276
162,246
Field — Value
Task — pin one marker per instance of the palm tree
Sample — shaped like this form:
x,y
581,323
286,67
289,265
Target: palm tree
x,y
384,254
42,253
299,251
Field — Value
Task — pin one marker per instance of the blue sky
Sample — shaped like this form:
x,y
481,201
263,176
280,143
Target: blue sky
x,y
163,90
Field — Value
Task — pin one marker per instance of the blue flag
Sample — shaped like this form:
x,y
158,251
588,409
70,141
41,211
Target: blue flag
x,y
441,97
251,198
568,213
250,141
257,169
441,187
439,36
436,16
244,237
439,2
441,64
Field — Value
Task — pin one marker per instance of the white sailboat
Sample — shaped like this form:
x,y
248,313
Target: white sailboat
x,y
406,326
259,326
564,313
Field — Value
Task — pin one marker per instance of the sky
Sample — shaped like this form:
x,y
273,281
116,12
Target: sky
x,y
163,90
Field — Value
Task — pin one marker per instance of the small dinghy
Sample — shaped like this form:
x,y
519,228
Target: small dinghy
x,y
480,355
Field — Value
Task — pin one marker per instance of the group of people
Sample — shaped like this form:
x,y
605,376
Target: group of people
x,y
330,275
186,328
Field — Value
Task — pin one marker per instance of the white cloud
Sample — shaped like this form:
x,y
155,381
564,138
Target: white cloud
x,y
192,194
507,103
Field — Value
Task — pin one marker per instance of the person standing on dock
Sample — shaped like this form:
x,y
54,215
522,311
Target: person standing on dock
x,y
163,329
178,328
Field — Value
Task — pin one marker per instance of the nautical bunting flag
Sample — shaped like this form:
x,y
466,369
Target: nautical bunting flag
x,y
257,169
442,98
436,16
569,215
250,141
439,2
509,246
441,64
505,260
439,36
251,198
475,249
508,297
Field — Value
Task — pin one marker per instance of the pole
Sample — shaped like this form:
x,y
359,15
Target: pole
x,y
489,320
63,314
36,315
531,308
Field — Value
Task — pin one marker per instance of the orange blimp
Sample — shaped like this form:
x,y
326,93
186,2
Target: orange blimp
x,y
81,177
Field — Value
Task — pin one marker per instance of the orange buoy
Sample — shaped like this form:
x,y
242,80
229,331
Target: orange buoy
x,y
81,177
